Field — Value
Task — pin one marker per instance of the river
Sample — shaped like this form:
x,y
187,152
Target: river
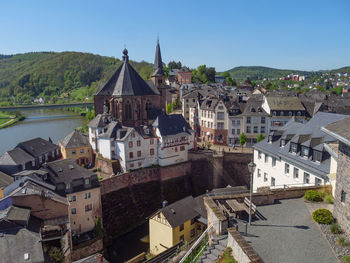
x,y
44,123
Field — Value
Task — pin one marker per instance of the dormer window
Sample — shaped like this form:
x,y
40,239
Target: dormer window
x,y
293,147
87,181
282,113
270,138
67,186
274,113
304,151
283,143
290,113
317,156
259,110
298,113
252,110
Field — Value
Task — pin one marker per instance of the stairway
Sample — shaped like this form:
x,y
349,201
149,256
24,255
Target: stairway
x,y
213,252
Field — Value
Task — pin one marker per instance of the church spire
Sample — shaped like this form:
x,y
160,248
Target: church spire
x,y
158,63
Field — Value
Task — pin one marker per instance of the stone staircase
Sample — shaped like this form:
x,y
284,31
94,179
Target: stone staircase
x,y
213,252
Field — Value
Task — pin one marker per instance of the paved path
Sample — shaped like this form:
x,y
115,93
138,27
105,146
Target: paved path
x,y
288,235
5,123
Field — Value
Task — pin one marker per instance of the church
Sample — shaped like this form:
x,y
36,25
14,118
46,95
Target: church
x,y
130,99
131,125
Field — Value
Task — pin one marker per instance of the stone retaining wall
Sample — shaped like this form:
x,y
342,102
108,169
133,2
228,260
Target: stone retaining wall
x,y
241,250
86,249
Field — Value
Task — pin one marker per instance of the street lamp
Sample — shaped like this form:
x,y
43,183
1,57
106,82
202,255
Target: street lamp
x,y
251,168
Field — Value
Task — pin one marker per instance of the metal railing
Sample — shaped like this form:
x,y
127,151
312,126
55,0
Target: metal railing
x,y
193,248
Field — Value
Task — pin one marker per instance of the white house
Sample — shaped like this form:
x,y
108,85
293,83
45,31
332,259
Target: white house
x,y
175,139
295,154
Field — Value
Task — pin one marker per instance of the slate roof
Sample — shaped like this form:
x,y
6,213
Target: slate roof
x,y
5,179
66,171
15,214
254,107
302,133
15,157
126,82
171,124
284,103
37,147
74,140
339,130
209,104
158,63
97,122
16,242
181,211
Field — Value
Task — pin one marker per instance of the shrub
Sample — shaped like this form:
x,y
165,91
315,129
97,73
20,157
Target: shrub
x,y
323,216
56,254
346,259
313,196
335,228
342,242
329,199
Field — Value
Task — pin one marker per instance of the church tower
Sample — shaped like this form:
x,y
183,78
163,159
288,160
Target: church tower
x,y
158,77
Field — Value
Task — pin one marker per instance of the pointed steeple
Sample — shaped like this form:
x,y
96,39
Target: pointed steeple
x,y
158,63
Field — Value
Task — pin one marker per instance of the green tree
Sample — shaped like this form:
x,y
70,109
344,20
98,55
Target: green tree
x,y
203,74
174,65
242,139
98,227
338,90
260,138
56,254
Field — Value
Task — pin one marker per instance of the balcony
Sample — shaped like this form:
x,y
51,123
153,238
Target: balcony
x,y
53,232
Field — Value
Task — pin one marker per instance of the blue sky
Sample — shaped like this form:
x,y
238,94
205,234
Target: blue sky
x,y
307,35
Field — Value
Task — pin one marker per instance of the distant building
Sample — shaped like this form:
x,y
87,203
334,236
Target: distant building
x,y
184,76
17,160
76,146
181,221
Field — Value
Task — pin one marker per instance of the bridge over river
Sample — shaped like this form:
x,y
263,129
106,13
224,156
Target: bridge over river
x,y
47,106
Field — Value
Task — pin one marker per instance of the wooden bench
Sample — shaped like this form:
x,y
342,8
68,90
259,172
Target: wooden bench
x,y
247,202
237,207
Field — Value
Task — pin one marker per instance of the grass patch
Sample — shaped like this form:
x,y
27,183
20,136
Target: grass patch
x,y
335,228
346,259
227,256
342,242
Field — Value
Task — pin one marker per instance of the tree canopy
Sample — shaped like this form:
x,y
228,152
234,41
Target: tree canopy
x,y
174,65
203,74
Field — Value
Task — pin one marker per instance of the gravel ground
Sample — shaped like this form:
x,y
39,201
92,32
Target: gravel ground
x,y
339,250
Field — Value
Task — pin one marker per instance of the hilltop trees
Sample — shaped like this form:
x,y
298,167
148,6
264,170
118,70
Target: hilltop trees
x,y
203,74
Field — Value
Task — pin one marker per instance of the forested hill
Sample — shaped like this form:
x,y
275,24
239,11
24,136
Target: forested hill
x,y
256,72
57,77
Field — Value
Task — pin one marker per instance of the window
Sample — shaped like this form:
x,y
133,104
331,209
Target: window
x,y
67,186
273,161
293,147
296,173
286,168
74,152
152,141
248,129
238,122
87,195
138,153
304,151
233,131
318,181
138,143
317,156
259,155
256,129
131,165
182,148
182,238
131,155
262,129
290,113
274,113
193,221
88,207
259,172
233,122
248,120
266,158
265,177
282,113
73,211
298,113
263,120
139,164
193,232
199,228
283,143
87,181
238,131
220,116
220,125
151,151
273,181
176,149
182,227
130,144
220,107
72,198
81,150
342,196
306,178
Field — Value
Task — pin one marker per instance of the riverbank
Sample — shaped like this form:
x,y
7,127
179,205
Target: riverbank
x,y
7,120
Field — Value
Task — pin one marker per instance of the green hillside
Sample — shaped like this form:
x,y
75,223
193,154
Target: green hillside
x,y
57,77
259,73
342,70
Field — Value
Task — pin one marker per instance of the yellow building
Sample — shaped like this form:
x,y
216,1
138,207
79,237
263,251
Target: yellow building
x,y
183,220
76,146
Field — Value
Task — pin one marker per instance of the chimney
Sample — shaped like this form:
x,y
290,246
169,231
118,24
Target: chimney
x,y
165,203
99,258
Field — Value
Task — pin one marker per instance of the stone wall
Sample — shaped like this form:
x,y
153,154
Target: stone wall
x,y
241,250
86,249
342,209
